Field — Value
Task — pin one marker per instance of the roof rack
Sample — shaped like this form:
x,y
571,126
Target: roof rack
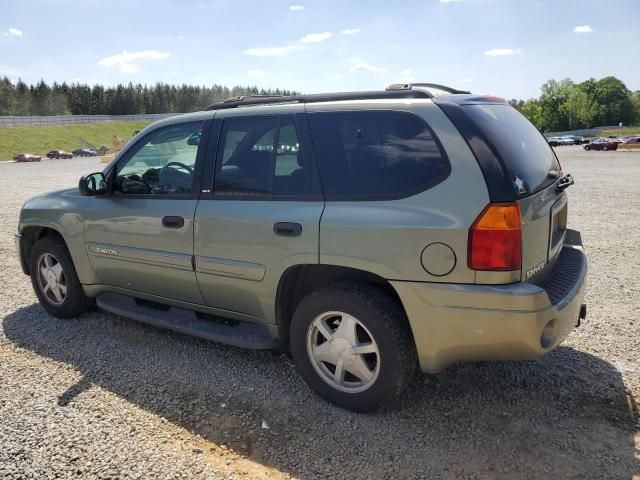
x,y
253,100
411,86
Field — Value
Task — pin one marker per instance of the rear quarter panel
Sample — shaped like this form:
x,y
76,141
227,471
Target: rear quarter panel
x,y
387,237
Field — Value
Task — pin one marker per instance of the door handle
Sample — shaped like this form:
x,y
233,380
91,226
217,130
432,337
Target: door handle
x,y
287,229
172,222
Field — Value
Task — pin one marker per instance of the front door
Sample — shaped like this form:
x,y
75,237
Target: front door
x,y
263,214
141,236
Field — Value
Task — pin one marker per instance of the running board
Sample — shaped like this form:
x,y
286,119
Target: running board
x,y
231,332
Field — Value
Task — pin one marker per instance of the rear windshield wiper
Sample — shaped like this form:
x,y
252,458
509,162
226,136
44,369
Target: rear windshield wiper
x,y
564,182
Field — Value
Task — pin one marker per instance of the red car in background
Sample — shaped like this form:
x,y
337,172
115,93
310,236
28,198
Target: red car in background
x,y
601,144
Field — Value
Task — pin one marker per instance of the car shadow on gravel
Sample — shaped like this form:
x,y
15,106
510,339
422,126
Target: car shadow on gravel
x,y
568,415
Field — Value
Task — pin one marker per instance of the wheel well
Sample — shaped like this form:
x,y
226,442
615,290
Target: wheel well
x,y
30,235
301,280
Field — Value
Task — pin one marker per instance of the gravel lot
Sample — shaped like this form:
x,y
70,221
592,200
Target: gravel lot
x,y
105,397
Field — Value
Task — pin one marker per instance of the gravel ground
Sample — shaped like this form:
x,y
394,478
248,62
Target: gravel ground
x,y
105,397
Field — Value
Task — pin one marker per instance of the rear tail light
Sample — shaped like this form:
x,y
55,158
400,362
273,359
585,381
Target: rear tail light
x,y
495,238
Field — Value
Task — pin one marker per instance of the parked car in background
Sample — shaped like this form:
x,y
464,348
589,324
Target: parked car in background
x,y
601,144
27,157
59,154
554,141
84,152
631,140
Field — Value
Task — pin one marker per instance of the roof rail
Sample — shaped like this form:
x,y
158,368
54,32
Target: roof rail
x,y
253,100
411,86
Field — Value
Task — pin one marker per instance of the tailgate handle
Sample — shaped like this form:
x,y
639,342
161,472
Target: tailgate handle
x,y
287,229
564,182
172,222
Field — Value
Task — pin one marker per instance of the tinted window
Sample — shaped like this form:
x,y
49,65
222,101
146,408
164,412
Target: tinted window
x,y
162,163
260,156
372,154
523,149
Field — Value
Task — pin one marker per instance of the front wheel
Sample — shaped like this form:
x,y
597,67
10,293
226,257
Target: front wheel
x,y
55,281
605,148
587,148
353,346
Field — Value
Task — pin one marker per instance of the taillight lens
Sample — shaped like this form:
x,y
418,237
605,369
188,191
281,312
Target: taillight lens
x,y
495,238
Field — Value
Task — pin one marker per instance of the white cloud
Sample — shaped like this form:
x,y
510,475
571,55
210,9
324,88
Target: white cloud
x,y
583,29
11,32
316,37
296,8
124,61
256,72
499,52
350,31
271,51
365,67
180,37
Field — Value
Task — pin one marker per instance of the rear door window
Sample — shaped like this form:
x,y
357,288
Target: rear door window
x,y
376,154
261,157
526,154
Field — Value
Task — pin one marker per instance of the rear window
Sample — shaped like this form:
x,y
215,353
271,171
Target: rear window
x,y
526,154
375,154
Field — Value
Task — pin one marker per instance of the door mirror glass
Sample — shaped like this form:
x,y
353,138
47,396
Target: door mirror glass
x,y
93,184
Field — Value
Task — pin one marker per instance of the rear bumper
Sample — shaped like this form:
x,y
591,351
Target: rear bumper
x,y
454,323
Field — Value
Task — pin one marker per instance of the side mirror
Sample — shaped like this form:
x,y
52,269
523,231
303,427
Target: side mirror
x,y
93,184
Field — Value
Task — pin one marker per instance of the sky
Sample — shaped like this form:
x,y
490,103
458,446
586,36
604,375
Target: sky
x,y
501,47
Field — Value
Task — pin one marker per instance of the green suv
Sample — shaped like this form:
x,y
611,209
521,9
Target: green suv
x,y
368,234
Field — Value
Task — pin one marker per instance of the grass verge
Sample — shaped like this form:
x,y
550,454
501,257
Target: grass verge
x,y
39,140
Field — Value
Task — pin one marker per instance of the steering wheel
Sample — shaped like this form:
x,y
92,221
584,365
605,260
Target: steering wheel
x,y
178,165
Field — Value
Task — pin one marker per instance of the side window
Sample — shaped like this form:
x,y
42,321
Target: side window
x,y
376,154
163,163
260,156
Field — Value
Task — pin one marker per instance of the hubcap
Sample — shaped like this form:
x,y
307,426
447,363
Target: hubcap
x,y
343,352
51,278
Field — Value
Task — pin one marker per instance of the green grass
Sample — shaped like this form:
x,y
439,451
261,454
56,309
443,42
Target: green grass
x,y
39,140
622,131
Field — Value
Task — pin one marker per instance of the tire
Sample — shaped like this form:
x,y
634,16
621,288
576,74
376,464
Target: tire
x,y
587,148
70,301
605,148
380,324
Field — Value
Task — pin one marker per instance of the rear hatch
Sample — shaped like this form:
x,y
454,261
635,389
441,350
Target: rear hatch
x,y
519,166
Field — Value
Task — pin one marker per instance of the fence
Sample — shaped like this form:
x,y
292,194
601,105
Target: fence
x,y
13,121
586,132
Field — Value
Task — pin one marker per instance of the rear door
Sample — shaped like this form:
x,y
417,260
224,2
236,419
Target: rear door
x,y
534,171
260,215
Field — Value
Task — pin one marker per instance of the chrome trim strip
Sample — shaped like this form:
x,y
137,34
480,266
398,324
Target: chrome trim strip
x,y
230,268
181,261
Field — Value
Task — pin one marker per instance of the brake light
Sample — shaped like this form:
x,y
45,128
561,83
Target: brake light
x,y
495,238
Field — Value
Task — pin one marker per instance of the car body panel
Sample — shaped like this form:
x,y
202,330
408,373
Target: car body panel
x,y
62,211
454,323
397,231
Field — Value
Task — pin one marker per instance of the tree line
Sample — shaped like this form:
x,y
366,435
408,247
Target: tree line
x,y
566,105
562,105
80,99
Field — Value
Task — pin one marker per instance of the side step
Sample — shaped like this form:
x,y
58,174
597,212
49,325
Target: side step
x,y
239,334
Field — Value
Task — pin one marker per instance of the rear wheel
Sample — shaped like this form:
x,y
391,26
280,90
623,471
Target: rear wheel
x,y
55,281
352,344
605,148
587,148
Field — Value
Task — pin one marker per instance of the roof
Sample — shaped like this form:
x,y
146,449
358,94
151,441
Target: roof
x,y
395,91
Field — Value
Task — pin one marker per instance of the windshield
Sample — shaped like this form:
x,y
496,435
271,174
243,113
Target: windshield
x,y
525,152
